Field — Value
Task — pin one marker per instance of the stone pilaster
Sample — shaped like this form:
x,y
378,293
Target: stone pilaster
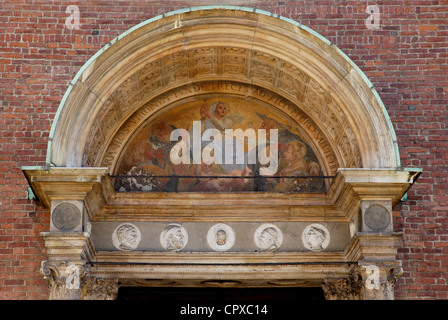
x,y
65,268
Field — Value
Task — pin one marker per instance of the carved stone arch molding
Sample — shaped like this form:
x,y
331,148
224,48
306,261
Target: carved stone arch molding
x,y
143,71
340,236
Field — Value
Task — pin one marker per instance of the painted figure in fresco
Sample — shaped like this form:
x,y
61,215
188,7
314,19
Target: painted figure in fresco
x,y
151,156
217,117
294,163
146,163
208,184
143,153
221,119
176,183
262,182
294,155
241,182
205,114
160,140
297,158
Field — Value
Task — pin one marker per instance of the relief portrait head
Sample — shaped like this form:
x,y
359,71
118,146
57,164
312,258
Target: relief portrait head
x,y
174,237
268,237
221,237
316,237
126,237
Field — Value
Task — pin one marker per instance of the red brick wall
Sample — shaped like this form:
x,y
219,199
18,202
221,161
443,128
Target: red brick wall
x,y
406,60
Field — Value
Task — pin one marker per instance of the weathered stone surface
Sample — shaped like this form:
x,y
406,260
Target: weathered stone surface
x,y
247,54
252,57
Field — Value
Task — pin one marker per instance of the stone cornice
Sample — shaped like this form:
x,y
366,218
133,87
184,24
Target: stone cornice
x,y
94,186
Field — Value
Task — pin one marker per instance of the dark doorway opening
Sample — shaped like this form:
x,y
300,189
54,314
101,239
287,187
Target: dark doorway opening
x,y
221,295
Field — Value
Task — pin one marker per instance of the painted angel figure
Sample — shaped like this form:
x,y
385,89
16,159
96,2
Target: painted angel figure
x,y
221,119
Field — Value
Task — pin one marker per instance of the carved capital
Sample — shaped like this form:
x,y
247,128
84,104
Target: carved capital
x,y
71,280
63,279
379,279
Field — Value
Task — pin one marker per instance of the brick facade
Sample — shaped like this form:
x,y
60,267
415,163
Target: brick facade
x,y
406,60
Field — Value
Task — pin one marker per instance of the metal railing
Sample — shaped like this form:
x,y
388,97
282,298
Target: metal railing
x,y
315,184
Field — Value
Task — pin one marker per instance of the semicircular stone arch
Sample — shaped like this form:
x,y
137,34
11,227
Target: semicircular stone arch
x,y
191,54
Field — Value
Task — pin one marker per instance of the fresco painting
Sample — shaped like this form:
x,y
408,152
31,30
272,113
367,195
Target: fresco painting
x,y
146,166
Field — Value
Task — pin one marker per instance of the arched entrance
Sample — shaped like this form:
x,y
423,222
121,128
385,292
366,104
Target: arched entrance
x,y
110,175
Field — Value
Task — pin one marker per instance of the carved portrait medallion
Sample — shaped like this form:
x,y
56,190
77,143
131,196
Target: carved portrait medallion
x,y
174,237
268,237
126,237
316,237
221,237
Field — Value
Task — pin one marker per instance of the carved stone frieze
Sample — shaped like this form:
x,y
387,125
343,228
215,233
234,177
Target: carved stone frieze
x,y
70,252
127,94
221,237
174,237
349,288
99,289
108,117
93,144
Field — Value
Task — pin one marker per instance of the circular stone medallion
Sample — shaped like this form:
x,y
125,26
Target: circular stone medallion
x,y
268,237
315,237
66,216
174,237
126,237
220,237
377,217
